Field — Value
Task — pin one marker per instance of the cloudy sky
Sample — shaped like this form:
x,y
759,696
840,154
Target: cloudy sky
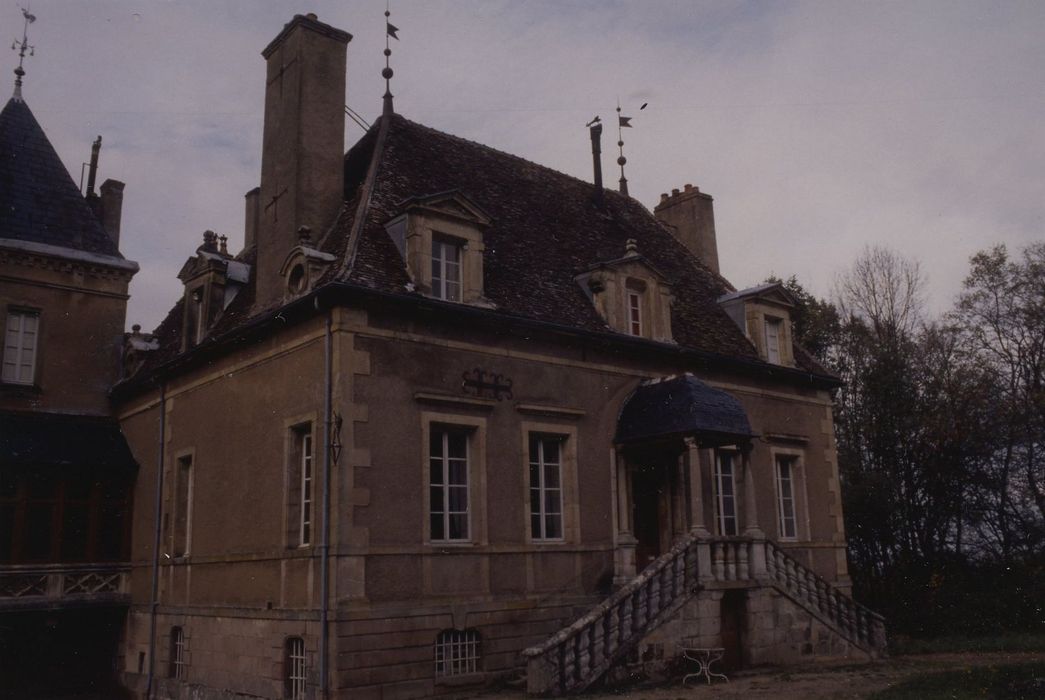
x,y
819,127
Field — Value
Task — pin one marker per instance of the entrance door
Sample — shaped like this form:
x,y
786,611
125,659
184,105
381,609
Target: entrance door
x,y
734,608
647,485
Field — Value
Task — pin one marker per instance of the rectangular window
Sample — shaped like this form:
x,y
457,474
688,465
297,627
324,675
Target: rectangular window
x,y
786,496
182,533
635,312
448,484
21,340
446,270
300,486
294,669
456,652
725,494
773,327
545,486
177,654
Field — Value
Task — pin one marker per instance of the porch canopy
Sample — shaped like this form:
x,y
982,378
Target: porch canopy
x,y
682,406
37,439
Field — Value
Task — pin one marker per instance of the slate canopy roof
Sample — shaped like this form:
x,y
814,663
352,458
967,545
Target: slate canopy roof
x,y
545,228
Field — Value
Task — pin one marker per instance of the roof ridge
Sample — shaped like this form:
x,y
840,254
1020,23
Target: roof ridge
x,y
498,151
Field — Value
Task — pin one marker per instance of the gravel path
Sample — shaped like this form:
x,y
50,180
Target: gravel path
x,y
837,681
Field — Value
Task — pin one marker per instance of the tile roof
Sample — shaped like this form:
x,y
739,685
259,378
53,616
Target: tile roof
x,y
39,201
545,230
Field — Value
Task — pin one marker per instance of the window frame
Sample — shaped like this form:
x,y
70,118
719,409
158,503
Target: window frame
x,y
439,284
475,427
721,518
22,312
540,439
446,486
300,431
465,647
796,457
777,347
177,658
185,457
295,668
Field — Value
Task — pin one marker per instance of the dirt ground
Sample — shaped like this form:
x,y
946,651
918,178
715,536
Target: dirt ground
x,y
835,681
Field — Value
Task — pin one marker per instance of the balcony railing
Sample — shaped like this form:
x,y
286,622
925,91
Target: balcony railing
x,y
59,585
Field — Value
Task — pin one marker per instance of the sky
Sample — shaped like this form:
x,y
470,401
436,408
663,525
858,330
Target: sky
x,y
819,127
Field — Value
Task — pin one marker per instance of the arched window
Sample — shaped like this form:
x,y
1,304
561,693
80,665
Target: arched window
x,y
177,654
294,670
456,652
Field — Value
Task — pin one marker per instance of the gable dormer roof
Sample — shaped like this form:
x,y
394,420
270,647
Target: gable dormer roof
x,y
773,292
39,202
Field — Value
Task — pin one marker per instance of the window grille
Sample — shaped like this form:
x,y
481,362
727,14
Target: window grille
x,y
177,652
456,652
545,487
448,484
20,343
725,494
786,496
295,670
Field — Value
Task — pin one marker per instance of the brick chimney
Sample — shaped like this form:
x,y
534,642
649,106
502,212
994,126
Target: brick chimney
x,y
690,216
302,170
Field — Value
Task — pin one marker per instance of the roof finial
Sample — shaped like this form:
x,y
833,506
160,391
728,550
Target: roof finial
x,y
622,122
22,47
390,31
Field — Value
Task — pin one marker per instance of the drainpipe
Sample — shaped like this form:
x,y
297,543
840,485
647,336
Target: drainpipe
x,y
154,604
324,639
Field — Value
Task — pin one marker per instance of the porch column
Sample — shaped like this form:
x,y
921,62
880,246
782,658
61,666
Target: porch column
x,y
695,482
757,554
624,569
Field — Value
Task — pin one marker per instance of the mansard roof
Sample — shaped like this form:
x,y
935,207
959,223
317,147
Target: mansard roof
x,y
545,228
39,202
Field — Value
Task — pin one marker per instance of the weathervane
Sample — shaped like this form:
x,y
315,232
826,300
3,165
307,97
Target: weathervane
x,y
22,47
623,122
390,31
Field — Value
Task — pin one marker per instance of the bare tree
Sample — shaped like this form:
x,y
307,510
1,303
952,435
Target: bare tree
x,y
883,289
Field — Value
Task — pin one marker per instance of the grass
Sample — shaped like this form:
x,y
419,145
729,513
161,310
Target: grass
x,y
1015,681
1008,641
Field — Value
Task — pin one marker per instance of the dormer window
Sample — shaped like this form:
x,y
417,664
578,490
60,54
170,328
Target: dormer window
x,y
441,240
446,269
763,313
304,265
630,295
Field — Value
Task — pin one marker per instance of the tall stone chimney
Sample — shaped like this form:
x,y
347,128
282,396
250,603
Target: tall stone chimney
x,y
302,171
690,216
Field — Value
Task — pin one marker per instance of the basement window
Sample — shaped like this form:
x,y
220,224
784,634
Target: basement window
x,y
456,653
294,669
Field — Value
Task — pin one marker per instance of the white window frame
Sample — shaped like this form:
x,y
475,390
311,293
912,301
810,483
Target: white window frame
x,y
296,668
178,661
18,342
786,501
446,431
442,285
722,520
541,490
305,510
457,653
774,353
634,310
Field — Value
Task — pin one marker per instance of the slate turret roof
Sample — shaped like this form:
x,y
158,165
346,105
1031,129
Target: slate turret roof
x,y
39,202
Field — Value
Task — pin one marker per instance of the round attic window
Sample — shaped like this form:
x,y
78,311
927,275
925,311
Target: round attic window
x,y
296,279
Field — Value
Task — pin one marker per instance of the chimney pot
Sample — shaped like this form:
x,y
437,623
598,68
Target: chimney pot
x,y
312,16
675,192
136,328
210,241
688,187
663,196
111,208
691,220
304,235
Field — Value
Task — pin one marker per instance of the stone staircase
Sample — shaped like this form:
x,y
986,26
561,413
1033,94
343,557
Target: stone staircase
x,y
578,655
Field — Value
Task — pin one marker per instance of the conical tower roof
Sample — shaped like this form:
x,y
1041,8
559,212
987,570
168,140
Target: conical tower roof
x,y
39,202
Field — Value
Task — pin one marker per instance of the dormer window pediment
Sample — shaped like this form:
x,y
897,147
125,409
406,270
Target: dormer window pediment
x,y
440,238
631,295
212,279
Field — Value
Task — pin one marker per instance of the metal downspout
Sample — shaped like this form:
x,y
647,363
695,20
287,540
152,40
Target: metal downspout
x,y
154,604
324,639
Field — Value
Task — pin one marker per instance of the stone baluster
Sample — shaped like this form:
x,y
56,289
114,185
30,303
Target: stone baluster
x,y
717,564
625,613
653,606
742,561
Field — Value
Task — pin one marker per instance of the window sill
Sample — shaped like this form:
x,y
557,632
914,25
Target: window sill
x,y
16,388
462,679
